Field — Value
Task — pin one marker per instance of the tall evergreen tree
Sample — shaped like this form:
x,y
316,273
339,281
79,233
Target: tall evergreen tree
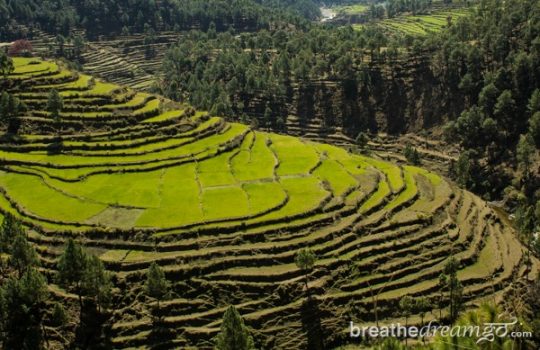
x,y
23,255
234,335
55,104
71,268
157,286
305,260
22,310
96,282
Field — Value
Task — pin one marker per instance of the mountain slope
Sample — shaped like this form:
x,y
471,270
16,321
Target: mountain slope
x,y
223,208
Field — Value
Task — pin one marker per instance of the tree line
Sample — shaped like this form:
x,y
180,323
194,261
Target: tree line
x,y
108,17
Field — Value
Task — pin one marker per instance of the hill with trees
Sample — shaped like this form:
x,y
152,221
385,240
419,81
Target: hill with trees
x,y
136,199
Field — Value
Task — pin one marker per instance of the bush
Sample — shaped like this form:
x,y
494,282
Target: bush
x,y
412,155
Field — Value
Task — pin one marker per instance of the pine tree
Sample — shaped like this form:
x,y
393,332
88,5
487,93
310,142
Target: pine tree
x,y
406,304
9,229
305,260
6,65
23,256
96,282
156,286
362,140
234,335
71,268
455,288
524,152
22,310
59,316
55,104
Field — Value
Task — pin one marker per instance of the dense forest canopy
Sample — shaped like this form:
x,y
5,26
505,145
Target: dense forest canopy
x,y
108,17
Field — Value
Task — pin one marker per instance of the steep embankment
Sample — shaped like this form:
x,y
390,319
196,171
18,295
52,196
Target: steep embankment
x,y
224,209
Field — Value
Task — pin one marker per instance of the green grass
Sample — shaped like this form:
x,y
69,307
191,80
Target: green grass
x,y
295,157
376,198
351,9
223,203
254,163
263,196
45,202
129,189
421,25
392,172
408,193
180,200
216,171
304,194
165,116
339,180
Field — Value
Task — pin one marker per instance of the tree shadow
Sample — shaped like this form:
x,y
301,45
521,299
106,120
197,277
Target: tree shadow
x,y
161,335
55,147
311,324
94,329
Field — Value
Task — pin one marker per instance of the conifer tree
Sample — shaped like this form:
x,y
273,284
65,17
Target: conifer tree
x,y
305,260
71,268
55,104
22,303
23,255
234,335
96,282
157,286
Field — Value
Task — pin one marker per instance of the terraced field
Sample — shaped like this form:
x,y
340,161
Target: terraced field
x,y
224,209
420,25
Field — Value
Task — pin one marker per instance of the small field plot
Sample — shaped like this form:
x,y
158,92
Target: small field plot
x,y
41,200
304,195
139,190
216,171
264,196
338,179
223,203
295,157
421,25
180,203
254,163
355,9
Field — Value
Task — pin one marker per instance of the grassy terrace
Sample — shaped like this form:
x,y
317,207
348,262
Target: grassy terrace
x,y
224,209
420,25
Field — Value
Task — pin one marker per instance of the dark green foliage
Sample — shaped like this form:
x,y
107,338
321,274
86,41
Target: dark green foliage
x,y
96,283
6,64
454,288
156,285
10,228
305,260
71,265
10,109
23,256
55,104
412,155
406,304
85,275
59,316
105,17
362,140
421,306
22,307
234,335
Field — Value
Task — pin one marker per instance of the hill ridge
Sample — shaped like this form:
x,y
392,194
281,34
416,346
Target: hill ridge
x,y
223,208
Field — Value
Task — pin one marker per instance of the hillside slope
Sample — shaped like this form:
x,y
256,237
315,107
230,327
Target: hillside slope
x,y
224,209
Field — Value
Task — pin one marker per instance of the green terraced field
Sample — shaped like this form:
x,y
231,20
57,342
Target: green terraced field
x,y
224,209
420,25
